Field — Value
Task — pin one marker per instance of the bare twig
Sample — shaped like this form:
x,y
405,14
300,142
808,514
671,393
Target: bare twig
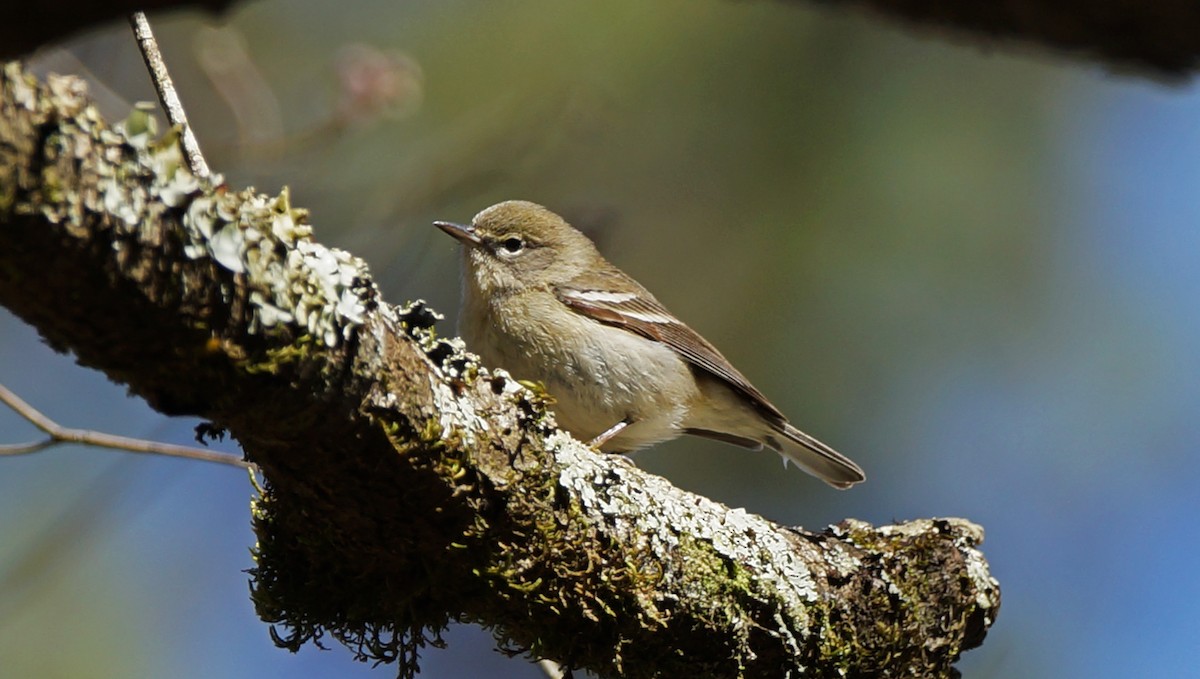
x,y
167,94
59,435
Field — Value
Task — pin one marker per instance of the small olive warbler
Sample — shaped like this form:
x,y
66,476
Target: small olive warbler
x,y
540,301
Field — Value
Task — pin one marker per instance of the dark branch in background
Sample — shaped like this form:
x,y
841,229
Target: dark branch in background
x,y
30,25
1159,38
405,485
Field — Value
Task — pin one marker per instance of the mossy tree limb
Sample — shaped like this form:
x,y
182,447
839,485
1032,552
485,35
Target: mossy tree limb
x,y
406,485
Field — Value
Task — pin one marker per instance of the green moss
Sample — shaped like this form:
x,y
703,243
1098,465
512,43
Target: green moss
x,y
274,360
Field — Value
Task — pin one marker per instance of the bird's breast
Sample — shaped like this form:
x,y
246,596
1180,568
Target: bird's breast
x,y
597,374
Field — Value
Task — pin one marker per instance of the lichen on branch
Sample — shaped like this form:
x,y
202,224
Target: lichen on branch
x,y
407,486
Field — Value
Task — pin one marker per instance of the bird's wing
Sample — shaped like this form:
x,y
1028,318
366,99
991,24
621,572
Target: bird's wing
x,y
639,312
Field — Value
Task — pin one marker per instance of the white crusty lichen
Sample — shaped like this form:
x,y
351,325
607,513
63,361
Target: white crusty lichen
x,y
648,511
125,186
451,366
132,181
23,87
292,280
456,414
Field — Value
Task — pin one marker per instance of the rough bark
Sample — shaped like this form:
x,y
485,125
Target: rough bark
x,y
1160,39
407,486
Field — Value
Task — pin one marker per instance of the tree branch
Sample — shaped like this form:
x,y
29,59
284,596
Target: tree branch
x,y
1160,39
29,25
58,434
167,95
407,486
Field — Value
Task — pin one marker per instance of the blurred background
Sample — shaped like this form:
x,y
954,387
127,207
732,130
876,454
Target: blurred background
x,y
973,271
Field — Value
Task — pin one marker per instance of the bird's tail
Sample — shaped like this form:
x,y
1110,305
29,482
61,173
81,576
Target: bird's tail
x,y
816,458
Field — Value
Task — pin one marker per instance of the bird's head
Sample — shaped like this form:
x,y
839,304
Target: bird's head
x,y
517,245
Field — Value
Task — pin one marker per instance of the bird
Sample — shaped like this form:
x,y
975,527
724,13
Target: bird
x,y
539,300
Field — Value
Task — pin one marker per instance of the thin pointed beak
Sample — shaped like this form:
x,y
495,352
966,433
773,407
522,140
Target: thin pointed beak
x,y
465,233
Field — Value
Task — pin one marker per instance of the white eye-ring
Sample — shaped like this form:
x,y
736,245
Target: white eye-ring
x,y
512,245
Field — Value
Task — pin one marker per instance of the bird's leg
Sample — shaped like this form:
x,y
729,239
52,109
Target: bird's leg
x,y
609,433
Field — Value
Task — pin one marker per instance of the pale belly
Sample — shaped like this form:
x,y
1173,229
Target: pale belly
x,y
598,375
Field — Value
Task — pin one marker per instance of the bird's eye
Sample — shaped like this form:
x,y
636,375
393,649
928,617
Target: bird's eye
x,y
512,245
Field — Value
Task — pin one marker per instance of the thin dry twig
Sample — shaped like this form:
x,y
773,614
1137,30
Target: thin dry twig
x,y
167,94
59,435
